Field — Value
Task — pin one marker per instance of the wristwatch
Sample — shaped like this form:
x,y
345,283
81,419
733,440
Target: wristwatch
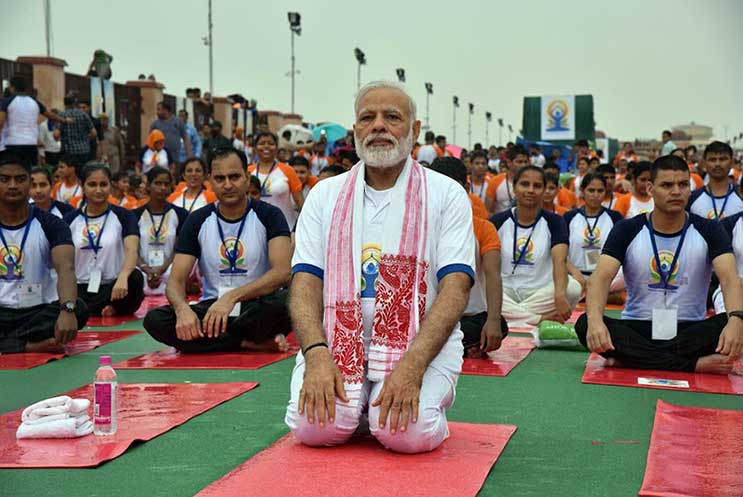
x,y
69,306
735,314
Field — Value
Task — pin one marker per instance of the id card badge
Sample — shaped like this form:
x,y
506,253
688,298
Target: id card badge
x,y
155,257
235,312
665,323
30,295
591,259
94,282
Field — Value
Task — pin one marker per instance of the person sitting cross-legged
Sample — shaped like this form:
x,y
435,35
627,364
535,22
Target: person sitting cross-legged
x,y
667,257
243,251
33,243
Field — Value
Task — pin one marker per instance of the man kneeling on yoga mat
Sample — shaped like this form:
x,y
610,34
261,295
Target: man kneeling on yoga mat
x,y
383,267
244,253
667,257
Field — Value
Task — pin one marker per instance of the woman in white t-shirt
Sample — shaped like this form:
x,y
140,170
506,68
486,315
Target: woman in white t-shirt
x,y
588,228
154,153
106,239
536,284
279,183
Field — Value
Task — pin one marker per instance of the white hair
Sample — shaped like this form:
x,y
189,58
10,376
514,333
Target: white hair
x,y
381,84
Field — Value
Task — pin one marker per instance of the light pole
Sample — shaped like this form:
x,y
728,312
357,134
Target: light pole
x,y
48,27
400,74
211,53
469,126
455,102
488,118
361,59
500,132
510,133
296,28
429,92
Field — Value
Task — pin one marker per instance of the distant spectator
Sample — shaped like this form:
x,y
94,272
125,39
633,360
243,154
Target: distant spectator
x,y
84,106
76,135
668,145
216,140
173,129
50,145
193,136
19,120
112,149
154,152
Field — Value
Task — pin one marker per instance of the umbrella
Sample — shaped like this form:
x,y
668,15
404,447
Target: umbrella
x,y
454,150
333,132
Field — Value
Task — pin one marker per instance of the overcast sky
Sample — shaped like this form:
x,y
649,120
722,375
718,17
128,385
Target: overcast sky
x,y
649,64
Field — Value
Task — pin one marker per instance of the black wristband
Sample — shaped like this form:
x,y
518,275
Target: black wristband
x,y
318,344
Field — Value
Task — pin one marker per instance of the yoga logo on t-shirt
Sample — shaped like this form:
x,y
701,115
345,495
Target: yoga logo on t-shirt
x,y
11,263
94,230
160,238
232,246
591,240
666,259
712,214
528,258
370,257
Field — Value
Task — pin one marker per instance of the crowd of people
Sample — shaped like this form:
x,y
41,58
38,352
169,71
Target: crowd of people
x,y
402,257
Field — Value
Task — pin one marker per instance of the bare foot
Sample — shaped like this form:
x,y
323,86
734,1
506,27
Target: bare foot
x,y
108,311
48,346
612,363
278,344
714,364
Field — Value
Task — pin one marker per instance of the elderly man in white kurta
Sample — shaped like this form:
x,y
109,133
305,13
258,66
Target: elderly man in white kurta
x,y
383,267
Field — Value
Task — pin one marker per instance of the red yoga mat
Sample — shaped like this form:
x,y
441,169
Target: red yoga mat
x,y
694,452
145,411
170,358
596,373
85,342
502,361
363,468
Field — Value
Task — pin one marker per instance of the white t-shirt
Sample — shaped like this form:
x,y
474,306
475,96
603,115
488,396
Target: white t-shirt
x,y
116,224
480,190
34,264
588,233
734,227
427,153
533,270
200,238
451,240
49,144
149,155
277,187
704,204
66,193
629,243
317,164
637,206
22,120
190,204
159,231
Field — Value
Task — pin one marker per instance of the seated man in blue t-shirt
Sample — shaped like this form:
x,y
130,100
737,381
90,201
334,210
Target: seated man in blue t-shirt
x,y
667,257
243,250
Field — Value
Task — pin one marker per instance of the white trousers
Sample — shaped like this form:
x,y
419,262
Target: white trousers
x,y
160,290
525,307
437,394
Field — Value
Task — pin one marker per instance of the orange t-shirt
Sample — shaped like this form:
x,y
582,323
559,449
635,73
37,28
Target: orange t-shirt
x,y
486,235
478,206
182,186
557,209
566,198
696,181
128,202
312,181
278,187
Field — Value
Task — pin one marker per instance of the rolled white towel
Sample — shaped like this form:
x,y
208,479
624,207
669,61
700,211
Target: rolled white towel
x,y
68,427
56,405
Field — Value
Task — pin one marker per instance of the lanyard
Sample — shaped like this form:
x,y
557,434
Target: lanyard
x,y
482,187
731,189
258,175
74,193
525,247
95,244
508,190
232,254
183,199
591,229
10,255
159,228
611,200
664,277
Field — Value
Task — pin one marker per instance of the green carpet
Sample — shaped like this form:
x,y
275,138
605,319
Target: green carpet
x,y
572,439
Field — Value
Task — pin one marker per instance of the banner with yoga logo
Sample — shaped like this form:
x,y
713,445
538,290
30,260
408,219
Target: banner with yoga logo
x,y
558,118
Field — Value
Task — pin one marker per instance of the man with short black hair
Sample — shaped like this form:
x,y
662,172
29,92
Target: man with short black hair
x,y
77,131
428,152
173,129
667,257
500,195
243,251
19,121
668,145
719,198
215,141
33,242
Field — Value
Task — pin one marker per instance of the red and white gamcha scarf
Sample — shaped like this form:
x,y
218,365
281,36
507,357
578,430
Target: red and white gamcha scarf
x,y
401,282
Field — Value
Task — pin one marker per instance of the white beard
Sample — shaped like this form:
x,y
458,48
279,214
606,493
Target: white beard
x,y
384,157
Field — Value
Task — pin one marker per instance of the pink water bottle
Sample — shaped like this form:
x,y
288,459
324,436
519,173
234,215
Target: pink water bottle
x,y
104,398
